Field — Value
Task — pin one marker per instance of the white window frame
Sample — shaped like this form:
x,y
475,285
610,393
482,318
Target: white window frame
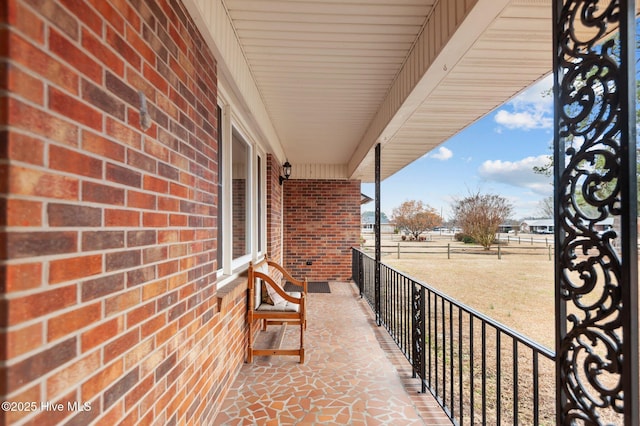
x,y
240,261
232,121
260,180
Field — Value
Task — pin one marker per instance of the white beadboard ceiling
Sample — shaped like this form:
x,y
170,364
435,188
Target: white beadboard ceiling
x,y
326,69
323,67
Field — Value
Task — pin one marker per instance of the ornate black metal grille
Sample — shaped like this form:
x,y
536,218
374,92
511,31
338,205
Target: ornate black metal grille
x,y
418,330
596,271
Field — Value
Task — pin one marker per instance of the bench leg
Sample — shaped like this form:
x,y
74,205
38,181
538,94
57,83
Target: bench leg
x,y
251,352
302,327
250,343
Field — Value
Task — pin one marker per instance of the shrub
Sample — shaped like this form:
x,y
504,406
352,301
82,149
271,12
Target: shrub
x,y
467,239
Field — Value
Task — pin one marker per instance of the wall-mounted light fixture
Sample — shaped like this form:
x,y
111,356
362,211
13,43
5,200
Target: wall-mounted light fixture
x,y
286,169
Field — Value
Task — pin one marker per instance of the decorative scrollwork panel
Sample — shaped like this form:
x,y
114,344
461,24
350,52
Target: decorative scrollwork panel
x,y
418,338
591,145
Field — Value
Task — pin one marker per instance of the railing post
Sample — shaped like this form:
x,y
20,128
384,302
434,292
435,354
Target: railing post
x,y
354,268
377,233
360,274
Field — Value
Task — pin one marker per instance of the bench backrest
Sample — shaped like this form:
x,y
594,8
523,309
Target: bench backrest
x,y
263,267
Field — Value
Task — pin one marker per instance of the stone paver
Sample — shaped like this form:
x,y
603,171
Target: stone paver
x,y
352,375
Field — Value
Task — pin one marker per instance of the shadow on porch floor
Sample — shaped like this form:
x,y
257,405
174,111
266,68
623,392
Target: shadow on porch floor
x,y
354,374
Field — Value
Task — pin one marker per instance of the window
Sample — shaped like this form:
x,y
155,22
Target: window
x,y
240,195
241,198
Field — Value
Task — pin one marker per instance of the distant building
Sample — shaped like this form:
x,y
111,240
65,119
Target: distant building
x,y
364,199
546,226
504,228
385,227
537,226
368,221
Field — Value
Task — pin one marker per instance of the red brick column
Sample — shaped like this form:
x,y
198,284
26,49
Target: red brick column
x,y
274,210
107,262
321,224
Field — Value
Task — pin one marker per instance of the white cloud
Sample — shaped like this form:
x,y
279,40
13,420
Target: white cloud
x,y
526,205
537,96
531,109
525,120
441,153
518,173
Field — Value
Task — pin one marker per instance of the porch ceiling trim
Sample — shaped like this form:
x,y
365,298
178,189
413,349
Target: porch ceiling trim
x,y
501,48
432,59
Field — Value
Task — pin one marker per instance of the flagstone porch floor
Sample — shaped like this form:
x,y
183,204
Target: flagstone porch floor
x,y
354,374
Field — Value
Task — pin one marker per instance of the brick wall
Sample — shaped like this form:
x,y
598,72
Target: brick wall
x,y
107,260
321,224
239,209
274,210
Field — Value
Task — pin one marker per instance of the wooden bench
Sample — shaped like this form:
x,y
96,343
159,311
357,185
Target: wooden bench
x,y
288,308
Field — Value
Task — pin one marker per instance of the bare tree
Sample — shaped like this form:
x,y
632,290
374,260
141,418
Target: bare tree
x,y
545,207
415,217
480,215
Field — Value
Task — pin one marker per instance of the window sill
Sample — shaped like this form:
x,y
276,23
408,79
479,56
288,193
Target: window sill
x,y
233,289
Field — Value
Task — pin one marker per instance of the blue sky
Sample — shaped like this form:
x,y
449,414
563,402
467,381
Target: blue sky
x,y
494,155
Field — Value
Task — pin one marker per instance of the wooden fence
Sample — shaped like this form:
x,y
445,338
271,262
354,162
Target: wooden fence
x,y
536,247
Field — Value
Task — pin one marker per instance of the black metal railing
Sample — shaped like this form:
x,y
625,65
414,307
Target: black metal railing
x,y
479,371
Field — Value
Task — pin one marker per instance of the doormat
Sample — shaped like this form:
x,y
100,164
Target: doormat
x,y
312,287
